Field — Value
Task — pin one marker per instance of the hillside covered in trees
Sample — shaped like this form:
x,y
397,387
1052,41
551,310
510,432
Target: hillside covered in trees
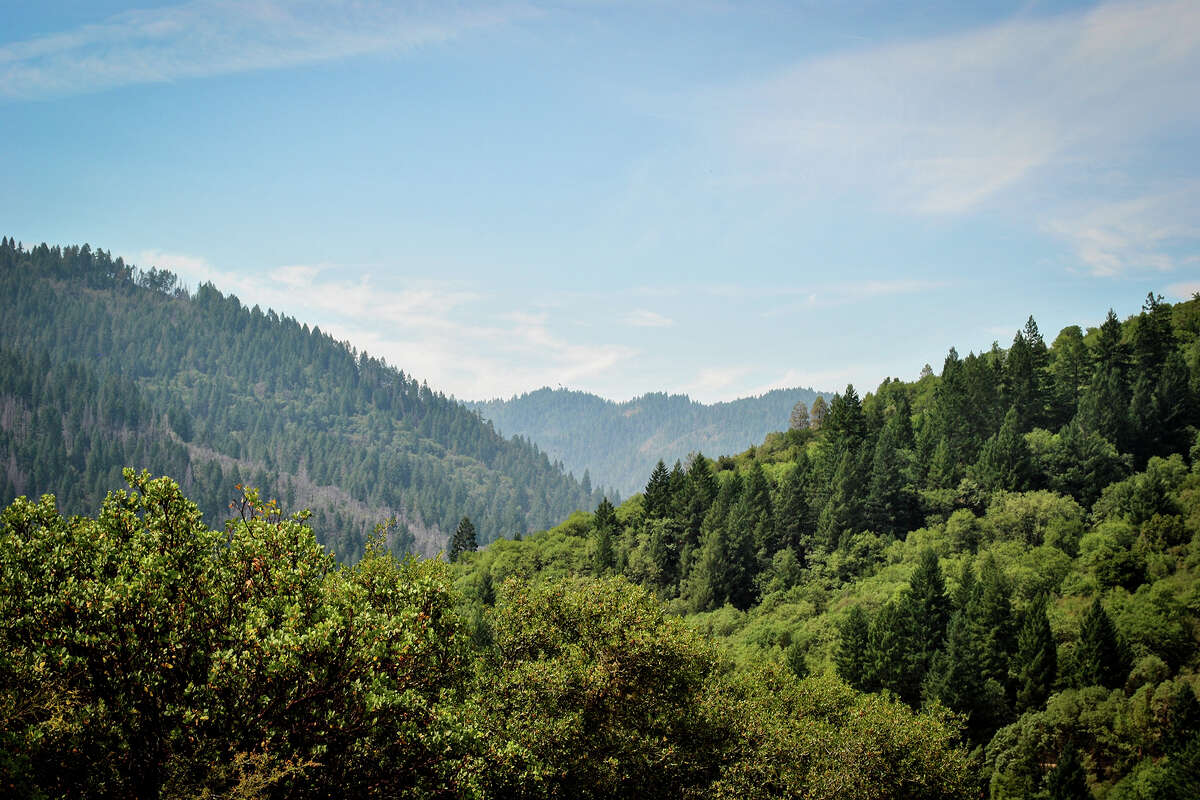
x,y
144,655
104,366
616,444
1016,540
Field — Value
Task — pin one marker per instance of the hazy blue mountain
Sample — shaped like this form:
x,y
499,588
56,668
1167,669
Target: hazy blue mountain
x,y
617,444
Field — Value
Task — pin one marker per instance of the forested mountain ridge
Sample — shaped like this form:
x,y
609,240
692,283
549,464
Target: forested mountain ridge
x,y
106,366
1016,539
618,443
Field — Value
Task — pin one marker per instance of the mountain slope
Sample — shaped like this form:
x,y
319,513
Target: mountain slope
x,y
619,443
107,366
1016,539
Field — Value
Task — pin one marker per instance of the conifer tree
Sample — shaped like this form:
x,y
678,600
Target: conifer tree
x,y
853,654
759,515
1070,367
1104,406
818,413
657,495
1005,461
700,493
925,612
888,645
891,504
711,578
604,524
792,512
842,514
992,625
1068,781
798,421
464,539
1100,658
1036,662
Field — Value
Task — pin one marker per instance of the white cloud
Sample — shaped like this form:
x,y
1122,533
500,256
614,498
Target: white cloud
x,y
1184,290
1134,234
1017,116
214,37
715,382
442,332
642,318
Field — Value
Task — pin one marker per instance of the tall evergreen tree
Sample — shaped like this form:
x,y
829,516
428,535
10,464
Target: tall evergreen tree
x,y
604,524
925,613
1104,406
1005,461
853,654
1036,662
657,495
1070,366
891,504
463,540
1068,781
842,515
1101,659
798,421
792,512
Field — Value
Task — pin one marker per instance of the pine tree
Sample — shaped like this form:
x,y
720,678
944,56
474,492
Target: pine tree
x,y
853,654
888,645
992,626
1069,368
798,421
891,504
1005,461
842,514
818,413
1100,658
464,539
1036,662
792,512
711,579
657,495
1104,406
1068,781
604,525
925,611
756,494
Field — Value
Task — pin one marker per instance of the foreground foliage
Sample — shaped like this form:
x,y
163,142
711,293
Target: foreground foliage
x,y
144,655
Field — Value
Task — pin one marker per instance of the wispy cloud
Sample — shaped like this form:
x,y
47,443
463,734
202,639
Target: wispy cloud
x,y
214,37
642,318
1018,116
716,381
1184,290
1138,233
444,332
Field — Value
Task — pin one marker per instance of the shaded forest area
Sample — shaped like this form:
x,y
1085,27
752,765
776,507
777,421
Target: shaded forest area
x,y
104,366
1016,540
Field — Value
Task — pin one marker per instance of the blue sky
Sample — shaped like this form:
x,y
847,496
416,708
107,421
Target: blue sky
x,y
621,197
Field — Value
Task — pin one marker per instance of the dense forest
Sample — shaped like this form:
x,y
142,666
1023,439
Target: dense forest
x,y
616,444
982,583
104,366
144,655
1016,540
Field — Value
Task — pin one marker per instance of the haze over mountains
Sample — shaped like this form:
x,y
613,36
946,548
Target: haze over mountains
x,y
106,365
618,444
103,366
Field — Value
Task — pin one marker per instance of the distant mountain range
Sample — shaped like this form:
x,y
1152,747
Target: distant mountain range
x,y
617,444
